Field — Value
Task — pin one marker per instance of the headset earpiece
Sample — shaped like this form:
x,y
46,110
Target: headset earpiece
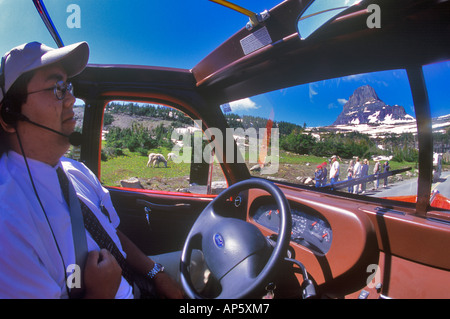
x,y
7,112
5,103
8,115
2,75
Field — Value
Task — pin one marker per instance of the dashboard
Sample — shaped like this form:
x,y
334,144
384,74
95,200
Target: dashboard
x,y
330,235
309,229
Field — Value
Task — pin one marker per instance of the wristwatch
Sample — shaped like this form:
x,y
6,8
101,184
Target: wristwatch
x,y
157,268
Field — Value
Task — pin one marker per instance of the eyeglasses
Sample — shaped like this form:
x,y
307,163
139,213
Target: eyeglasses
x,y
59,89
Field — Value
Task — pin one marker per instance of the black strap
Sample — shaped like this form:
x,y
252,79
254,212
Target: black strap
x,y
103,240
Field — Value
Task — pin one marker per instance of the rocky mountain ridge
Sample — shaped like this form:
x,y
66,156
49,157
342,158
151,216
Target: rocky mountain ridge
x,y
365,107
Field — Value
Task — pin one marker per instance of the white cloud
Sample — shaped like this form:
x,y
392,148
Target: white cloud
x,y
342,101
312,90
332,106
355,77
243,105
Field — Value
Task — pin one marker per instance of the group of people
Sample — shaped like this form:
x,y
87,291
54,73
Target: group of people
x,y
321,172
355,169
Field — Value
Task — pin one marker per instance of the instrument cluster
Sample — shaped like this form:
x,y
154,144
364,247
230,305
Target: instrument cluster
x,y
308,229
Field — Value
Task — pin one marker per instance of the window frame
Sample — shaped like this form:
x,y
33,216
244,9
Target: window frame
x,y
92,112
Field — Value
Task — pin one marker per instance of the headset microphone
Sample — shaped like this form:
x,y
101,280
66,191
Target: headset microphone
x,y
75,138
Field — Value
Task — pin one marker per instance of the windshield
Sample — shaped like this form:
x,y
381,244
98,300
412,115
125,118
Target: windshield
x,y
320,12
332,133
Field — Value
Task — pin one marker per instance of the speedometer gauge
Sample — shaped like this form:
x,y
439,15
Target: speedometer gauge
x,y
326,235
298,223
309,229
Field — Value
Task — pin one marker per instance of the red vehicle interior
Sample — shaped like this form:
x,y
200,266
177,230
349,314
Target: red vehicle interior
x,y
406,240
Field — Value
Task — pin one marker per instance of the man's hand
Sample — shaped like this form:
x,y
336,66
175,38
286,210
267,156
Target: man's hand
x,y
102,275
166,287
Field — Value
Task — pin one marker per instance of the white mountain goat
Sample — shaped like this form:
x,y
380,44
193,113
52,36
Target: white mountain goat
x,y
155,159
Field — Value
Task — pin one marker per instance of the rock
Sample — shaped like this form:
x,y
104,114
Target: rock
x,y
308,181
131,183
300,179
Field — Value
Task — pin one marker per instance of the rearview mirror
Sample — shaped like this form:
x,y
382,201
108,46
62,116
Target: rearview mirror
x,y
320,12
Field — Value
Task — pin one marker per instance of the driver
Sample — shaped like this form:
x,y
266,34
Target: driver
x,y
36,244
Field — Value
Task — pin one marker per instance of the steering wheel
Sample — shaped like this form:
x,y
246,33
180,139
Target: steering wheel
x,y
236,252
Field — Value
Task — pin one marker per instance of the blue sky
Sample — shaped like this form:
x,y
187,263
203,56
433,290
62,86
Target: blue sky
x,y
176,33
323,101
179,33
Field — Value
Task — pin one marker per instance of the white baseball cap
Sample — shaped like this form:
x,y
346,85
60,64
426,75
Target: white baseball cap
x,y
34,55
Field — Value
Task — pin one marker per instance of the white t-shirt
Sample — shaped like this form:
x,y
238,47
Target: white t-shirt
x,y
30,264
334,170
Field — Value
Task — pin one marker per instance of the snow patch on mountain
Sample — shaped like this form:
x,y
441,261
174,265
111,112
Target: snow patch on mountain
x,y
365,107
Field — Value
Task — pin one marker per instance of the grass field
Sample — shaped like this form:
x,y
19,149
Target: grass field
x,y
292,168
133,164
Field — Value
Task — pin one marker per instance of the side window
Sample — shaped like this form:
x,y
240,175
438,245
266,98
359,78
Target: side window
x,y
437,77
355,134
150,146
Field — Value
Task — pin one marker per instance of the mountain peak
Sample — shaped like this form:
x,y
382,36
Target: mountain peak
x,y
364,106
362,95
